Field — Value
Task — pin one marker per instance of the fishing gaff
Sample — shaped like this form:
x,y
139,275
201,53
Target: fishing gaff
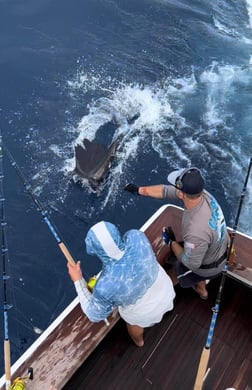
x,y
42,211
202,368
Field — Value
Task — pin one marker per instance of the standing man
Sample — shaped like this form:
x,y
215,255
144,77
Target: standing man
x,y
205,237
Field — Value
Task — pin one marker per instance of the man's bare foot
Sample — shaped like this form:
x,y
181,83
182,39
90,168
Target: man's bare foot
x,y
136,333
138,342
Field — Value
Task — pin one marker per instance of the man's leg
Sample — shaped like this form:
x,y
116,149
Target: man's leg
x,y
189,279
136,333
200,288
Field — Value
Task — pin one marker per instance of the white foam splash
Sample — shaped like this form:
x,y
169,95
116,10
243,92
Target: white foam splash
x,y
224,24
224,29
155,116
220,82
184,119
249,8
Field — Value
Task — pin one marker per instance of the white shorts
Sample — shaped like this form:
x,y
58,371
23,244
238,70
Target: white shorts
x,y
149,309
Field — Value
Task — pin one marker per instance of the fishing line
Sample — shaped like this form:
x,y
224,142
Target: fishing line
x,y
206,350
26,322
42,211
40,208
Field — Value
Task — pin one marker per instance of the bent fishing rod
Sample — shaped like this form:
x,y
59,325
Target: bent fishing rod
x,y
42,211
202,368
40,208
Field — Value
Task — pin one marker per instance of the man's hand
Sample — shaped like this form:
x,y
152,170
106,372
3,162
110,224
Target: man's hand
x,y
130,187
168,235
74,271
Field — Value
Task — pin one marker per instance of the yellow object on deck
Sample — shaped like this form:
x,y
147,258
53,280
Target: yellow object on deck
x,y
18,384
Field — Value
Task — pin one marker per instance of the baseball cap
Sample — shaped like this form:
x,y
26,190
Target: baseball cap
x,y
187,180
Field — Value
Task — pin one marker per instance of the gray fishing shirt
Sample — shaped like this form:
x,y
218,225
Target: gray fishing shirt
x,y
204,233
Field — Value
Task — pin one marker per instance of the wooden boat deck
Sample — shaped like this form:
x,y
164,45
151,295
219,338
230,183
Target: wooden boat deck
x,y
172,350
170,356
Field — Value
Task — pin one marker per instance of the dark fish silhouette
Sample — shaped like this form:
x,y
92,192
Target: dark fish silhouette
x,y
93,160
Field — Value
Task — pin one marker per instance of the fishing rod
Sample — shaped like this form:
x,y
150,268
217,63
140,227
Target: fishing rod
x,y
43,212
206,350
19,383
7,359
40,208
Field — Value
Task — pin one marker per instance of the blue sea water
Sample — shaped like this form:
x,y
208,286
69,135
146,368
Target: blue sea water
x,y
68,68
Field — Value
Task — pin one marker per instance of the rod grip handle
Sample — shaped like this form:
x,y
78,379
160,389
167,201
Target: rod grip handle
x,y
202,369
7,360
66,253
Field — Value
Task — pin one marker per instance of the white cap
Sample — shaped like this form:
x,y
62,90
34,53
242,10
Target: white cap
x,y
172,177
187,180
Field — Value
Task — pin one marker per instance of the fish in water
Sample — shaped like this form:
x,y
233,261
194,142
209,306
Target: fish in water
x,y
93,160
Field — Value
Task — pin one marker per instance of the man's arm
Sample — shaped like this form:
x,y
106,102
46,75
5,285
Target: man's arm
x,y
159,191
193,254
177,249
96,308
153,191
190,255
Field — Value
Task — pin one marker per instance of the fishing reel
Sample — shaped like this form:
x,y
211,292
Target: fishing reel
x,y
20,382
92,282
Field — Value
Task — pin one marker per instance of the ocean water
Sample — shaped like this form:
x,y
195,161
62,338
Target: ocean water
x,y
182,69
